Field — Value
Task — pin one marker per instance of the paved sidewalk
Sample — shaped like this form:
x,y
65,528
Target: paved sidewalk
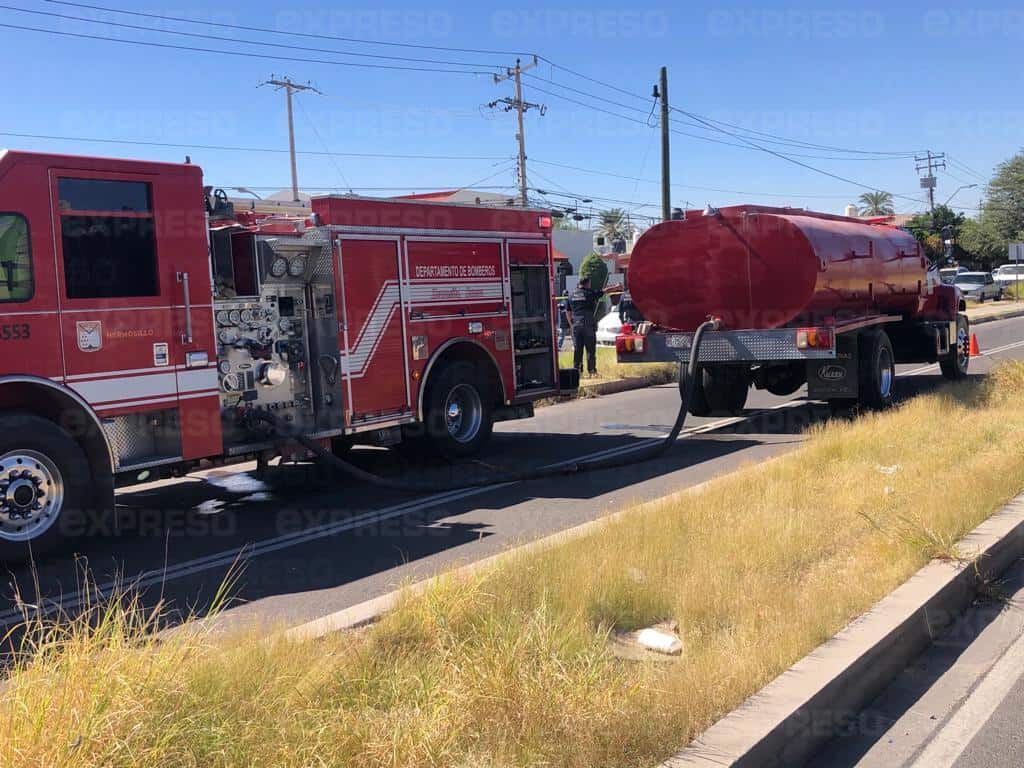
x,y
997,310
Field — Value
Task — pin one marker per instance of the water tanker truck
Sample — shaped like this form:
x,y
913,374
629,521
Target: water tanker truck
x,y
802,297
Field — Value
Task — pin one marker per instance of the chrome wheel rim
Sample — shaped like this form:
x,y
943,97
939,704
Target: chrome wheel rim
x,y
963,348
31,494
884,373
463,413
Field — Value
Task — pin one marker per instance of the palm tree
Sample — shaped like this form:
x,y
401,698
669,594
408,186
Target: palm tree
x,y
876,204
615,224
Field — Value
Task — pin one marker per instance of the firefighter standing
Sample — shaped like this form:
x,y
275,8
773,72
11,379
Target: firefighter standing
x,y
582,318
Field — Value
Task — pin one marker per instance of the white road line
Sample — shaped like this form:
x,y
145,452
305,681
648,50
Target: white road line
x,y
266,546
956,734
984,353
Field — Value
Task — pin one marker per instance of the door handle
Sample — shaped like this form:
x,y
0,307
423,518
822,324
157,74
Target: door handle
x,y
186,338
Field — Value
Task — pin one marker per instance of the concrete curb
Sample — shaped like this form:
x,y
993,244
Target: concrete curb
x,y
618,385
791,717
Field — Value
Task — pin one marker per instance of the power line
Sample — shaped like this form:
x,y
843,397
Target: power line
x,y
266,30
701,137
243,41
686,186
244,54
640,97
223,148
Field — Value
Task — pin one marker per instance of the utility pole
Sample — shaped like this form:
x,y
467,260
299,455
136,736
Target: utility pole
x,y
930,163
661,92
521,107
290,88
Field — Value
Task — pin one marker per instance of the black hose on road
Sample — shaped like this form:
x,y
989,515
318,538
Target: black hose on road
x,y
687,374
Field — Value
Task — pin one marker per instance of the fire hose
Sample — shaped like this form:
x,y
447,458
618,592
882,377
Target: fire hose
x,y
687,373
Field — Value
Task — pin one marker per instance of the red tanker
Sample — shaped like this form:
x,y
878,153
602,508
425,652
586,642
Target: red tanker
x,y
759,267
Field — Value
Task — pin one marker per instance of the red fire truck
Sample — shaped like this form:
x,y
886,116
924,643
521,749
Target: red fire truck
x,y
142,320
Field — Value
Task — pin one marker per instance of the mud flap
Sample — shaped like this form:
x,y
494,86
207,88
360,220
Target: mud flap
x,y
835,379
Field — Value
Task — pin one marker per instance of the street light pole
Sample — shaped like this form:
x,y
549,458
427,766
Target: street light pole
x,y
965,186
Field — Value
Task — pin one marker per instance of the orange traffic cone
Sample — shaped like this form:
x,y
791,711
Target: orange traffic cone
x,y
975,350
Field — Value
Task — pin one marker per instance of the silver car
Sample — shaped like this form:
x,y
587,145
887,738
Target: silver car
x,y
979,286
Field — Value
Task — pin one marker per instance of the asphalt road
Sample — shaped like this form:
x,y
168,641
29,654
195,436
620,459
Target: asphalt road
x,y
958,705
306,544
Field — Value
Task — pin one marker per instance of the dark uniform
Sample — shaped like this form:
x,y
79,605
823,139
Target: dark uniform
x,y
583,305
628,312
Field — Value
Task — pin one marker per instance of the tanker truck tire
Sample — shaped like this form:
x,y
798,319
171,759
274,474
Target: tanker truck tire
x,y
46,490
698,397
459,411
954,366
726,388
876,370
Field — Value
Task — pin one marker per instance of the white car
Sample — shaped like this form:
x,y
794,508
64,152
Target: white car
x,y
608,327
1009,274
979,286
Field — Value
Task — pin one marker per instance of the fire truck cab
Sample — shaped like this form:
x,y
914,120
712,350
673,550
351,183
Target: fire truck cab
x,y
143,321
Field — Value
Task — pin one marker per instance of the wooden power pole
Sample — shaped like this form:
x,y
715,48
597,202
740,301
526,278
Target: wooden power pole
x,y
289,87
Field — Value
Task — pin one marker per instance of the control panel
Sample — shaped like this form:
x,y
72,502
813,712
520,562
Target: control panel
x,y
262,350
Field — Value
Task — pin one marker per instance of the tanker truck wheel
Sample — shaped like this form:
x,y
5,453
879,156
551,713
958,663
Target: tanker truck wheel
x,y
954,367
698,397
726,388
45,487
876,370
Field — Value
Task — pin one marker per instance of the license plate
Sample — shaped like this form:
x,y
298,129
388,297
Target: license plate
x,y
677,341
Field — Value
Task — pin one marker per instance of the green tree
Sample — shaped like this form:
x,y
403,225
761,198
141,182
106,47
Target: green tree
x,y
982,245
931,230
615,223
594,267
1002,213
876,204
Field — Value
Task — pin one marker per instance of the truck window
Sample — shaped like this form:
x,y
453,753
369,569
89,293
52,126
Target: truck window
x,y
16,282
108,237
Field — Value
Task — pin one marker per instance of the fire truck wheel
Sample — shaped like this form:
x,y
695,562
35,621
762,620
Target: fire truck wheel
x,y
45,487
876,370
954,367
698,398
726,388
459,411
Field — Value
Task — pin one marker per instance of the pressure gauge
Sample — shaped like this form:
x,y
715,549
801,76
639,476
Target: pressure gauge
x,y
278,267
222,317
246,316
285,324
224,367
230,383
235,316
297,266
227,336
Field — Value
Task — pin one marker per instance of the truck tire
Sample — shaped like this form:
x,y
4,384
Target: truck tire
x,y
46,488
954,366
876,370
726,388
459,409
698,398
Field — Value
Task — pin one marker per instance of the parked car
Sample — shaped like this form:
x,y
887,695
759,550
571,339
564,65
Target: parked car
x,y
979,286
1009,274
608,327
948,275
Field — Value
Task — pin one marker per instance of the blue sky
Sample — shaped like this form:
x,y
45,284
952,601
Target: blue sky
x,y
888,78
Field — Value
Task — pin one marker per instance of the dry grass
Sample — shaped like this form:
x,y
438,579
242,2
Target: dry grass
x,y
511,667
608,368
